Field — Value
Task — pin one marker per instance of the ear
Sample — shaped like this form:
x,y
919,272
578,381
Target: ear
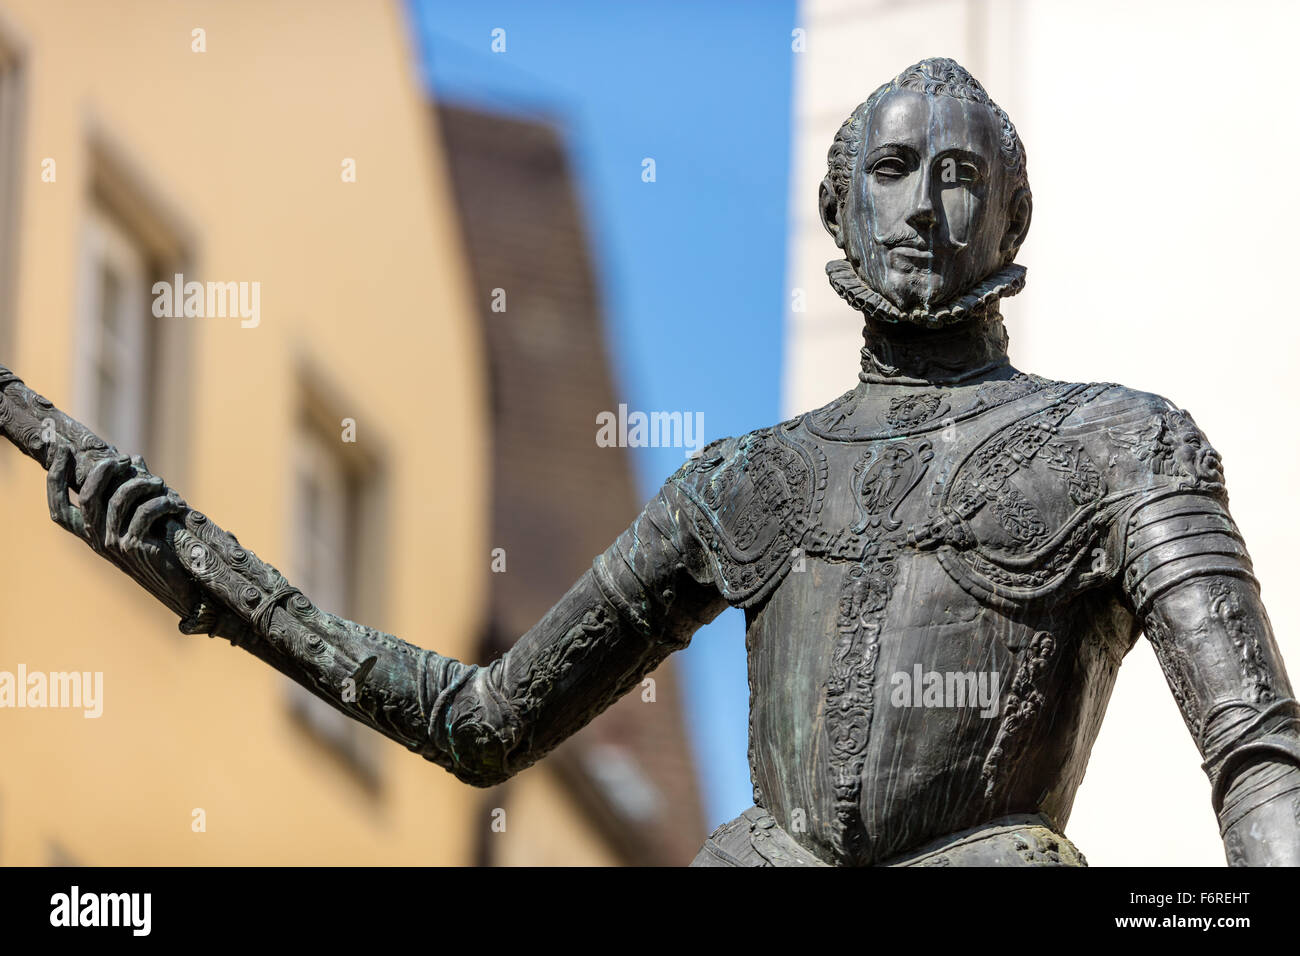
x,y
830,210
1019,213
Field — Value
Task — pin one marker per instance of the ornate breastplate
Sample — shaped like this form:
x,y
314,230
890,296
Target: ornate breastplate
x,y
990,481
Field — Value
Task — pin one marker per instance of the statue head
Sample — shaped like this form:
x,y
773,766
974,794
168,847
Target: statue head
x,y
926,189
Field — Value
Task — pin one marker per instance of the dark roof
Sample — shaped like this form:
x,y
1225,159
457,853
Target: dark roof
x,y
558,499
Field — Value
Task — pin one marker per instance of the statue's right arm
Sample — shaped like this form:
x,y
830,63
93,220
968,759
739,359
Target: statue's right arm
x,y
642,598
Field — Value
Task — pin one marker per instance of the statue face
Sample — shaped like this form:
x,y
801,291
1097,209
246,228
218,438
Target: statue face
x,y
926,216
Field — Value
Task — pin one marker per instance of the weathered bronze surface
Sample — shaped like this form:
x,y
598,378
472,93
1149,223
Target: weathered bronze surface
x,y
941,570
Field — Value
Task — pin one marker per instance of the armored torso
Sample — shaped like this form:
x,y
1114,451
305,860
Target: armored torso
x,y
931,579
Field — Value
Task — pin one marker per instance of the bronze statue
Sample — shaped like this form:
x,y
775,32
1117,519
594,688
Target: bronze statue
x,y
941,570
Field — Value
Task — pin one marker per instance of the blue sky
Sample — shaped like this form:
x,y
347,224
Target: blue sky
x,y
691,266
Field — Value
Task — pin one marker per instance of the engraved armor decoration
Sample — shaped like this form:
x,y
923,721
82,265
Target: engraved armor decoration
x,y
941,570
752,499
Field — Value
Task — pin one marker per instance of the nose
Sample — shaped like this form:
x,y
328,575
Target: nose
x,y
922,218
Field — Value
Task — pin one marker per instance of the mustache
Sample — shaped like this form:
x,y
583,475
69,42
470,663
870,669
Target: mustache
x,y
906,238
911,239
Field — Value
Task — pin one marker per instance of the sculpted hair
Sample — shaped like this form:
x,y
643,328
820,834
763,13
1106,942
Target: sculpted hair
x,y
935,76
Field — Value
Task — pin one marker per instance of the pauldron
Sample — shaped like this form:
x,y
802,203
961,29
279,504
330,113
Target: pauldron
x,y
752,499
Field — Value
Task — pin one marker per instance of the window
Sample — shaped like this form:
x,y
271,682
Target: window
x,y
11,82
325,522
131,371
113,345
623,783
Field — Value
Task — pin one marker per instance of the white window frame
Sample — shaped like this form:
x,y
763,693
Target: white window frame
x,y
123,351
321,566
320,538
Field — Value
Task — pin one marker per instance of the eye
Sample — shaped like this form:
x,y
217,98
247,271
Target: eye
x,y
889,168
955,172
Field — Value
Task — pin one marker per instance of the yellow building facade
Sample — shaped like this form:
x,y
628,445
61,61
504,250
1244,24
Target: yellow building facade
x,y
282,152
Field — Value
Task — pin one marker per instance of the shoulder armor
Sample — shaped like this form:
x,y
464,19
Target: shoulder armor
x,y
748,501
1044,501
1154,445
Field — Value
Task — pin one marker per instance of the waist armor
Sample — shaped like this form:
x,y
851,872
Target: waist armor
x,y
1026,839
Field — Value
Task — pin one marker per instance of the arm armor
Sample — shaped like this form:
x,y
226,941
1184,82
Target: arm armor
x,y
643,598
1189,578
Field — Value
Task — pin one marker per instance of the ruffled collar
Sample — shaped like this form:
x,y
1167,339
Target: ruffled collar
x,y
964,339
979,302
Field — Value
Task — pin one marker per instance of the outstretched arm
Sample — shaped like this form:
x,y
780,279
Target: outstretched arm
x,y
642,599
